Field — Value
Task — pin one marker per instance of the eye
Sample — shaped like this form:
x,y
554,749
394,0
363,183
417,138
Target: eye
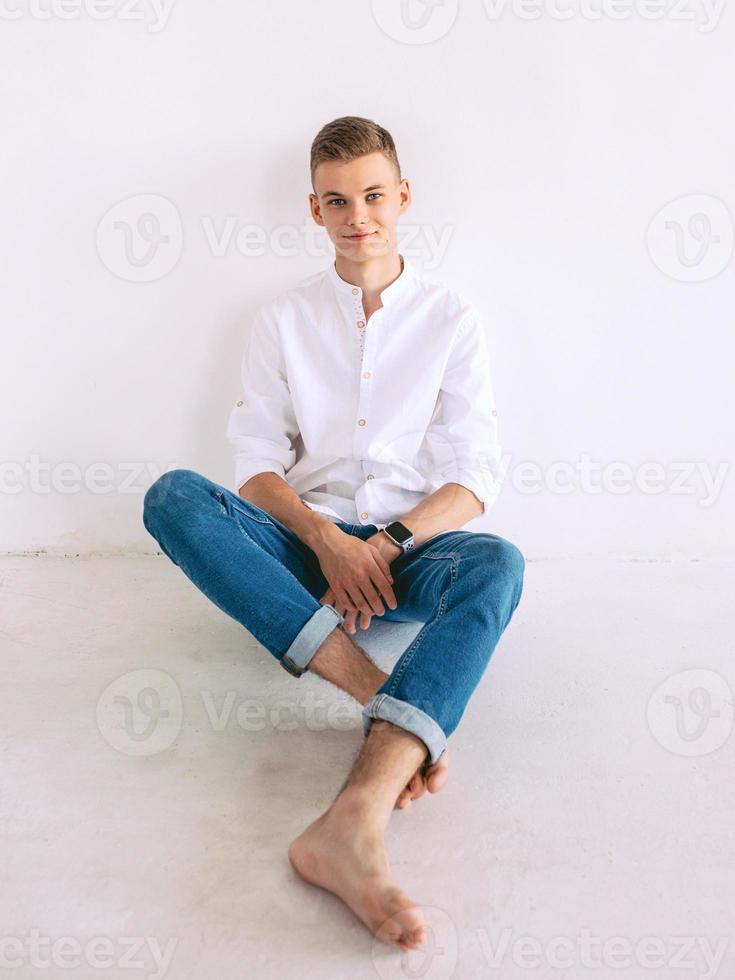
x,y
341,200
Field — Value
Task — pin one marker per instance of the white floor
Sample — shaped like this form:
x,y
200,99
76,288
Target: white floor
x,y
587,829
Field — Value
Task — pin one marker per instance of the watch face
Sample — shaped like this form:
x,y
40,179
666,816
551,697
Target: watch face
x,y
399,531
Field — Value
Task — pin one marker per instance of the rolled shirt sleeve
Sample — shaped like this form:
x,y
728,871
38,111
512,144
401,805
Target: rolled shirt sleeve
x,y
262,425
461,443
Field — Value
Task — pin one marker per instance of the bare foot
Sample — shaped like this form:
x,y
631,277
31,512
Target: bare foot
x,y
433,779
338,852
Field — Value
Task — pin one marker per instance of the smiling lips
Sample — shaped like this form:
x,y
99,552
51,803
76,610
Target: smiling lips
x,y
365,234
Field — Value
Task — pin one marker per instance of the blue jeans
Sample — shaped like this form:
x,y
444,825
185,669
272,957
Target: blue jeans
x,y
462,585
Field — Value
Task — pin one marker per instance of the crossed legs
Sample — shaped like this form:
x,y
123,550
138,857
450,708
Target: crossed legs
x,y
240,558
343,663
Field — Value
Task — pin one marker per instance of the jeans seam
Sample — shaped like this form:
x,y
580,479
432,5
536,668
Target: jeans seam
x,y
244,511
408,654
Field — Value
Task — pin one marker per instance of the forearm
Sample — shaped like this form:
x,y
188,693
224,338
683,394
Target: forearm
x,y
275,496
445,509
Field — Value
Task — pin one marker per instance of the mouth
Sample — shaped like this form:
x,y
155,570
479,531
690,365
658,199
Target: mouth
x,y
360,238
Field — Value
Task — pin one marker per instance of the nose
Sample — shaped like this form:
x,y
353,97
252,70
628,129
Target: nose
x,y
357,218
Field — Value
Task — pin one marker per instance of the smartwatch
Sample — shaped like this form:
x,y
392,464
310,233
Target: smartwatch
x,y
400,535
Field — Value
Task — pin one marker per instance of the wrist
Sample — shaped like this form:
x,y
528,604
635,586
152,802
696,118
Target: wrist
x,y
320,532
389,549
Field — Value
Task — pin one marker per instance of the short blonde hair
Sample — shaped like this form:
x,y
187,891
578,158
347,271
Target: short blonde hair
x,y
350,137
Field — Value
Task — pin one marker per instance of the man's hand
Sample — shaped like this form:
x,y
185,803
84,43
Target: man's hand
x,y
426,777
357,571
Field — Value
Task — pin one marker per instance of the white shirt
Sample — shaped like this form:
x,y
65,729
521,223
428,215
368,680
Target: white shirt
x,y
364,420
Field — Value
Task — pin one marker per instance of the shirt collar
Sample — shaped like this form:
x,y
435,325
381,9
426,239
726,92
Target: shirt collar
x,y
346,290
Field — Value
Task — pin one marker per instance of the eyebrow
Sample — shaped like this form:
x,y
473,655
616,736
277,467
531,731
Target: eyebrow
x,y
375,187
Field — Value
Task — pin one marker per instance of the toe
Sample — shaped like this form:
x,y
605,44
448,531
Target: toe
x,y
437,775
406,928
403,801
417,786
436,781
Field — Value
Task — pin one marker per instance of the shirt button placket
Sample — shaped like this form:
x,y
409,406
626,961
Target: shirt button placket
x,y
364,391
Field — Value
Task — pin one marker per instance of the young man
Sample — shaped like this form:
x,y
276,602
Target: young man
x,y
365,439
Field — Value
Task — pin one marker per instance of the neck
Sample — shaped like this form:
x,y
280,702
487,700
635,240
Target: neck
x,y
371,275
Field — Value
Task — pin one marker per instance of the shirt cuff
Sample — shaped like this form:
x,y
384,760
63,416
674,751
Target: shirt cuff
x,y
485,488
251,467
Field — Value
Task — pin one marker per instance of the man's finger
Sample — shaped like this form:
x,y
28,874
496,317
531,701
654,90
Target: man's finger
x,y
384,587
385,567
349,621
359,600
373,597
343,601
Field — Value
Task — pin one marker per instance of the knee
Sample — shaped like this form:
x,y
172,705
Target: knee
x,y
504,560
513,564
168,487
511,559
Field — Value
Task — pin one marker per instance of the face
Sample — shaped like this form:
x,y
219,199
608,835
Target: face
x,y
359,204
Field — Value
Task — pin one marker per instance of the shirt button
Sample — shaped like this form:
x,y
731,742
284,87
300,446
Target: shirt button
x,y
355,292
364,514
361,323
494,412
240,402
366,374
370,476
361,421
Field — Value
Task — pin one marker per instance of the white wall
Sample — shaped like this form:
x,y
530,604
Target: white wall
x,y
543,149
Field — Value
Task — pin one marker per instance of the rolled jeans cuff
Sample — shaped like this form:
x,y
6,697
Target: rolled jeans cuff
x,y
409,717
309,638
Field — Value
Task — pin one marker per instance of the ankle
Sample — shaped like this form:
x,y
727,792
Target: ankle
x,y
362,808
